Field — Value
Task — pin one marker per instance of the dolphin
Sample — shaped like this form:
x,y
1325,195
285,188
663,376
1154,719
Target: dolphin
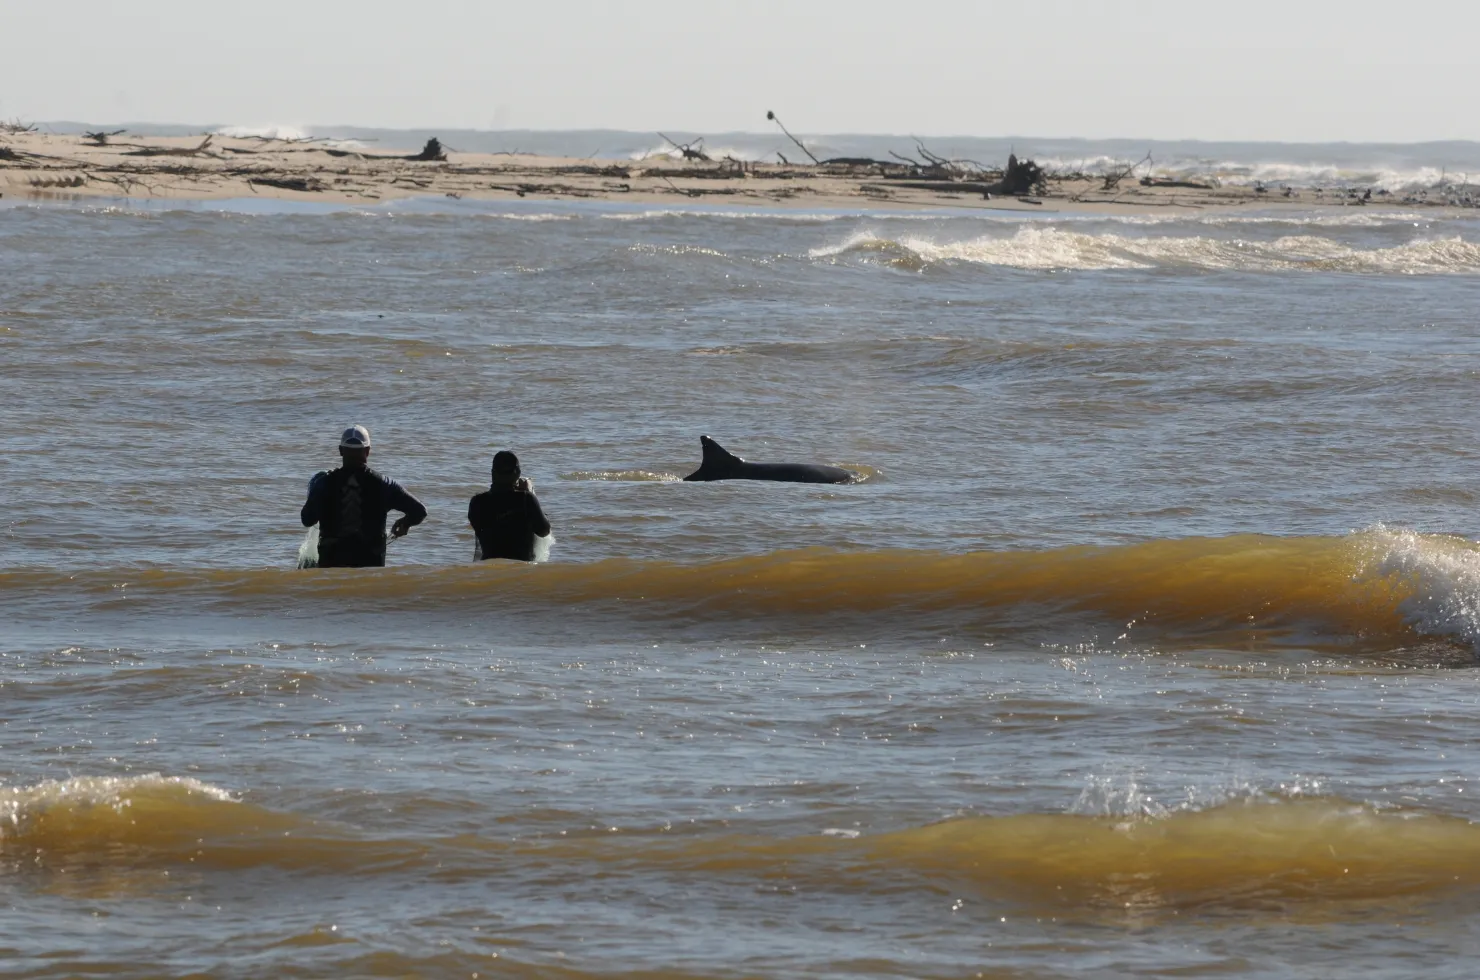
x,y
721,464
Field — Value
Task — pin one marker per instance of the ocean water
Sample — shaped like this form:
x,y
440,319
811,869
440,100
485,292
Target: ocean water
x,y
1146,644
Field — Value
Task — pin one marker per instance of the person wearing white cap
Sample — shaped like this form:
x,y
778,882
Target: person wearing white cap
x,y
350,505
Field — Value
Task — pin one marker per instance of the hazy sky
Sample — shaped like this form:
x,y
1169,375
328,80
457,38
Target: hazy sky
x,y
1298,71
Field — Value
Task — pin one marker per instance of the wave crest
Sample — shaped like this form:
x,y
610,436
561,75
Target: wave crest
x,y
1054,248
1378,587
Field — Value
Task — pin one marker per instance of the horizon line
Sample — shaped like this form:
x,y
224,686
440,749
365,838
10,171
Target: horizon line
x,y
215,128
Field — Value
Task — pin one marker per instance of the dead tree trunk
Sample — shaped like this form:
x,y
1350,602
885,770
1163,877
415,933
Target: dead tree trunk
x,y
433,151
1021,177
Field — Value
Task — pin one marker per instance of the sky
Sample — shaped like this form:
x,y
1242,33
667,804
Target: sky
x,y
1313,71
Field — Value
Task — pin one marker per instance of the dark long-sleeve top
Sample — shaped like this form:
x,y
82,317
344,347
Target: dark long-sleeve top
x,y
392,496
507,522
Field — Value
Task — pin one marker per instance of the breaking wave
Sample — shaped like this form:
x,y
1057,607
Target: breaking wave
x,y
1257,848
1055,248
272,131
1380,588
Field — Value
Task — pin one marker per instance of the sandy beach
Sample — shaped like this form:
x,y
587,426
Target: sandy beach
x,y
45,166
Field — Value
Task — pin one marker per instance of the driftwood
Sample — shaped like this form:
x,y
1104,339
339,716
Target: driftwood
x,y
1113,180
16,126
932,166
172,151
723,172
856,162
522,189
433,151
1020,177
6,153
692,150
1172,182
287,183
100,138
772,117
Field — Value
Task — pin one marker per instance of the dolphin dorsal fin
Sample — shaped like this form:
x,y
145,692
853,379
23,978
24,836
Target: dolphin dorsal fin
x,y
716,455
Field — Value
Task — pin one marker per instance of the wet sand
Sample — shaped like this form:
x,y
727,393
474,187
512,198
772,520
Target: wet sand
x,y
48,166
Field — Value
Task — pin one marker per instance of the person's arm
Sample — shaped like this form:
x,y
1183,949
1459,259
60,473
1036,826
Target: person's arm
x,y
473,513
314,505
537,519
413,513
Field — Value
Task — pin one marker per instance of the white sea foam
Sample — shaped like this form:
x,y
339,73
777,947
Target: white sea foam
x,y
1269,172
272,131
1440,576
308,550
542,548
1037,247
667,152
21,802
1122,793
534,218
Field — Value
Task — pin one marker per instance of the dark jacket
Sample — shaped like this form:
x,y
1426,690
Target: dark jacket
x,y
350,506
507,522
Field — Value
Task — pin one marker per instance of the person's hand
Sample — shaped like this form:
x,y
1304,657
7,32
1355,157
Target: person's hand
x,y
522,485
399,529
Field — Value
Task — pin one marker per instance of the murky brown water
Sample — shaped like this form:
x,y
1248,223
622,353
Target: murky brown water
x,y
1146,645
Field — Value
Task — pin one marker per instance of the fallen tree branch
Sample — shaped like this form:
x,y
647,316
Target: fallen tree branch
x,y
1173,182
1111,181
172,151
287,183
687,149
800,145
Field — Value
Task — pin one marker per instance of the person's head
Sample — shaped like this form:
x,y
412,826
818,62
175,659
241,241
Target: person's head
x,y
354,447
505,467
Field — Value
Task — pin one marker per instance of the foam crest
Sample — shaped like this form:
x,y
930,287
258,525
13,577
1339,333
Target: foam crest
x,y
1376,587
272,131
530,218
1054,248
1236,173
1437,579
86,812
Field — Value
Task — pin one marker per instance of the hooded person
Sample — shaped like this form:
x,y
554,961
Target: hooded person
x,y
507,516
350,504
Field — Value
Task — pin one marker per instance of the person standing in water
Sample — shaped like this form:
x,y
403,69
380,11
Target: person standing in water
x,y
350,505
507,516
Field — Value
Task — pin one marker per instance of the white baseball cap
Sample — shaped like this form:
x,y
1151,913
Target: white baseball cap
x,y
355,437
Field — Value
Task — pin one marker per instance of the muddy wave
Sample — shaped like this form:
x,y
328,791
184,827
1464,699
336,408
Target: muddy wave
x,y
1382,586
1259,847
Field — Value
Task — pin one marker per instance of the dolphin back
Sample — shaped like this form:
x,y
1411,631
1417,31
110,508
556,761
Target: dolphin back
x,y
796,473
721,464
718,463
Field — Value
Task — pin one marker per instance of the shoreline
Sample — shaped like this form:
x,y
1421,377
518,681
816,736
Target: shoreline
x,y
40,167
